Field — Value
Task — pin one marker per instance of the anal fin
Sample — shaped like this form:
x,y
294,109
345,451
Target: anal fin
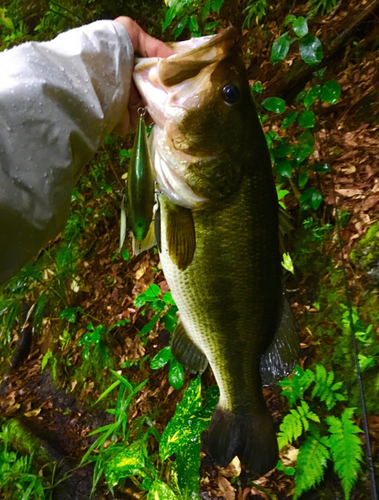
x,y
186,352
281,356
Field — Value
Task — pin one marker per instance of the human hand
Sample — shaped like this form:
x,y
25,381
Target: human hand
x,y
146,46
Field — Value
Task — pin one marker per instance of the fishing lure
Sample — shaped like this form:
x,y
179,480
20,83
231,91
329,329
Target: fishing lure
x,y
140,187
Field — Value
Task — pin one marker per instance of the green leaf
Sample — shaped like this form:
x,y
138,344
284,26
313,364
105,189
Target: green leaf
x,y
311,96
128,463
311,50
206,10
280,48
193,24
290,471
189,421
311,462
287,263
170,319
150,325
307,138
300,27
180,26
281,192
282,150
168,299
316,199
161,358
6,21
125,255
45,359
170,14
284,168
269,141
187,465
326,389
289,19
275,104
289,119
307,119
209,27
303,179
300,96
294,388
330,91
346,449
69,313
320,167
216,4
310,198
151,294
319,73
160,491
257,87
295,423
176,374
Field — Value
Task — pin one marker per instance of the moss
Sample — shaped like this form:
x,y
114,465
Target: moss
x,y
331,333
366,255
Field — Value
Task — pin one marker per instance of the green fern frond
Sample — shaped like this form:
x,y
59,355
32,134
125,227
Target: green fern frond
x,y
311,462
10,312
38,312
295,423
294,388
346,449
326,389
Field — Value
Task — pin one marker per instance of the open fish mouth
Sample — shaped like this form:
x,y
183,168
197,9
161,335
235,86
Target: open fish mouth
x,y
180,93
180,82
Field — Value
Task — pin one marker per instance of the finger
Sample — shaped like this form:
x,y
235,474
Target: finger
x,y
144,44
151,47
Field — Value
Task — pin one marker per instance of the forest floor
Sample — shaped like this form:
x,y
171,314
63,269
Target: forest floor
x,y
56,403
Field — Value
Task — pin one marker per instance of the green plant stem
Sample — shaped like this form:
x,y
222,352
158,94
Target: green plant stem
x,y
67,10
294,188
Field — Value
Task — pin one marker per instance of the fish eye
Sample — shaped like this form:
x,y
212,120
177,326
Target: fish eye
x,y
230,94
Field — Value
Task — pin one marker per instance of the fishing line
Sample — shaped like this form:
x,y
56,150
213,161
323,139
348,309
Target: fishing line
x,y
370,462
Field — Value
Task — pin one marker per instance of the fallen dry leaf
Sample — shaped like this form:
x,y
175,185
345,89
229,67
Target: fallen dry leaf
x,y
349,192
226,489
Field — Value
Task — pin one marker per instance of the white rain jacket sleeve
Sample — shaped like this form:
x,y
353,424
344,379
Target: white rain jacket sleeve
x,y
58,101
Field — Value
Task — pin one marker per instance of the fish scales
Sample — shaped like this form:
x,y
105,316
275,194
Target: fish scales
x,y
223,295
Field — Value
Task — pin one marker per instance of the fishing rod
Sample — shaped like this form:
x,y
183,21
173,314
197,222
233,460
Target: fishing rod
x,y
370,463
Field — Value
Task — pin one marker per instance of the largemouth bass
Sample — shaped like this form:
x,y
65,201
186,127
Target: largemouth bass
x,y
217,234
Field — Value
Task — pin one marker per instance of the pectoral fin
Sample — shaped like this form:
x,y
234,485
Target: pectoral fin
x,y
180,234
281,356
186,352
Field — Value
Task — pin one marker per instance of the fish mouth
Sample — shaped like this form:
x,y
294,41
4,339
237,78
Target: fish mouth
x,y
176,82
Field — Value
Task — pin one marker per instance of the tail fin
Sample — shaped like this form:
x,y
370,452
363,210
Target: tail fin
x,y
250,437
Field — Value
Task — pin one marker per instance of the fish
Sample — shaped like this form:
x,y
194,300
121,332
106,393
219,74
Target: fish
x,y
217,230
